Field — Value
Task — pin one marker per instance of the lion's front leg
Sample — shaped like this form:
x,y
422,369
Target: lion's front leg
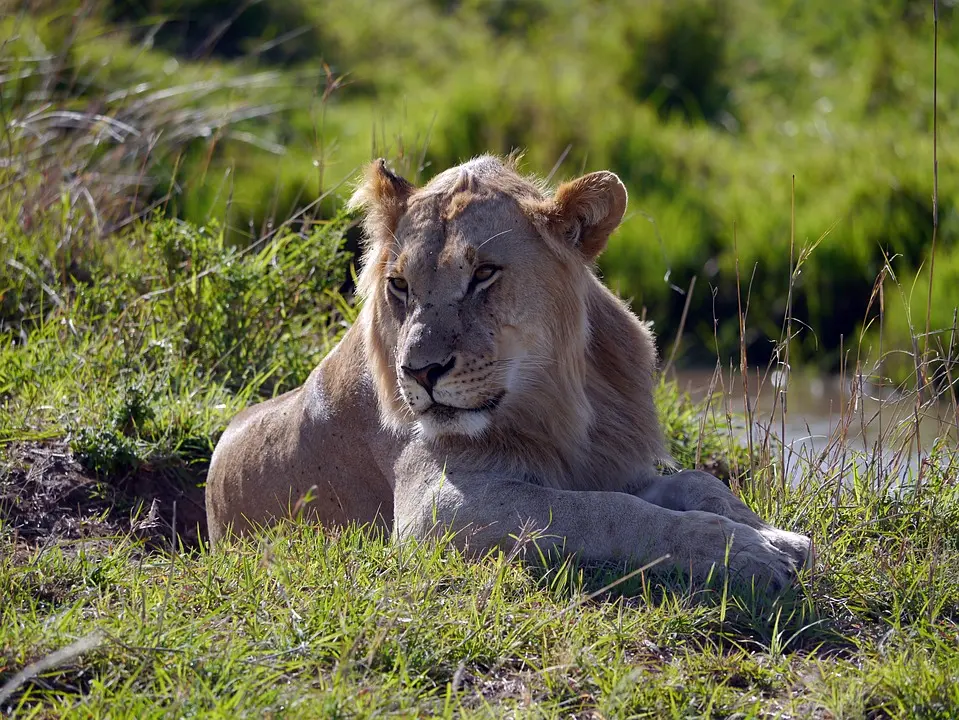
x,y
488,511
697,490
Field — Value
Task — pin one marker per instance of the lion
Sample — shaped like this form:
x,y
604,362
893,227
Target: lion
x,y
490,384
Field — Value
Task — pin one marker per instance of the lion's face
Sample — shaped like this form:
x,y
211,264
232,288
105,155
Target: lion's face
x,y
477,291
465,293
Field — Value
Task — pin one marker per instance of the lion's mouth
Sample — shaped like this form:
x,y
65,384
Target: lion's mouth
x,y
448,411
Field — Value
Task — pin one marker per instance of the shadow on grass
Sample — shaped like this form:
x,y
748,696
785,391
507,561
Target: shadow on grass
x,y
729,617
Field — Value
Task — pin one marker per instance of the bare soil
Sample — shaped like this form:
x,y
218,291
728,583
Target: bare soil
x,y
46,497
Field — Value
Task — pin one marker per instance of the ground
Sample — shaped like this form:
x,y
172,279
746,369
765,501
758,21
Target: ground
x,y
46,496
303,622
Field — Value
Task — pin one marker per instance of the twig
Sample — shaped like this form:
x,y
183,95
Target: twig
x,y
169,580
558,163
935,167
54,659
784,385
682,326
743,375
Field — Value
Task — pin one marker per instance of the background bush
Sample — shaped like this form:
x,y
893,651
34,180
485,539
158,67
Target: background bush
x,y
706,108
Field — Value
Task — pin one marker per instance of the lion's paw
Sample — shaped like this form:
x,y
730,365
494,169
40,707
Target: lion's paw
x,y
798,547
749,557
755,560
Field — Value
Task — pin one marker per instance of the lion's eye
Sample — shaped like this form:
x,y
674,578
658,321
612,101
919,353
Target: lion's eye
x,y
399,287
484,274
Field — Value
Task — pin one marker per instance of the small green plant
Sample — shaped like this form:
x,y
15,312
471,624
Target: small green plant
x,y
106,451
112,448
134,410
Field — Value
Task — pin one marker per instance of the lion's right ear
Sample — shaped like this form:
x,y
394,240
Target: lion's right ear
x,y
383,195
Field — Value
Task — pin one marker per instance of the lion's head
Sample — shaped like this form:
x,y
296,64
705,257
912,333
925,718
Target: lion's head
x,y
480,298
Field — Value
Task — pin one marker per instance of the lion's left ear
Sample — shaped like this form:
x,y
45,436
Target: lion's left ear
x,y
588,209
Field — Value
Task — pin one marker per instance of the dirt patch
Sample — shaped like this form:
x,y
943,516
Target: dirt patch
x,y
46,496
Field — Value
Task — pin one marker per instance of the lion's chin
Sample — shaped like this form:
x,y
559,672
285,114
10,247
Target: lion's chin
x,y
440,422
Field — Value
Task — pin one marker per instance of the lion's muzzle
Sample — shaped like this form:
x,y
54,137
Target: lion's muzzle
x,y
429,375
455,397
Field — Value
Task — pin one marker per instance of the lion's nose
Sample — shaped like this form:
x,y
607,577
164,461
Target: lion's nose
x,y
429,375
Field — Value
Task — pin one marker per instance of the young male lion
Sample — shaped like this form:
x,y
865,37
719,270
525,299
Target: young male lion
x,y
490,382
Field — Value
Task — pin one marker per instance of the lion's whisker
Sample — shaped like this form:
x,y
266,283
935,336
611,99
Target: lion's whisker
x,y
528,361
493,237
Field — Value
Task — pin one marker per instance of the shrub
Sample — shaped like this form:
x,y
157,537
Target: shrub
x,y
679,61
280,32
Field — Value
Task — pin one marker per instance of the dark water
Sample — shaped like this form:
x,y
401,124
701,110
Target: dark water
x,y
827,417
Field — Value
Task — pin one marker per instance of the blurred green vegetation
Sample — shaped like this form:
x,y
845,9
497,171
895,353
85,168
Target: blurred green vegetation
x,y
250,112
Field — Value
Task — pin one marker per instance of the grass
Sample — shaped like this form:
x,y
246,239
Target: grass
x,y
150,288
337,624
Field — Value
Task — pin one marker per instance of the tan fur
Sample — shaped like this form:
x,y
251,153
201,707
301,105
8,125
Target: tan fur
x,y
481,403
